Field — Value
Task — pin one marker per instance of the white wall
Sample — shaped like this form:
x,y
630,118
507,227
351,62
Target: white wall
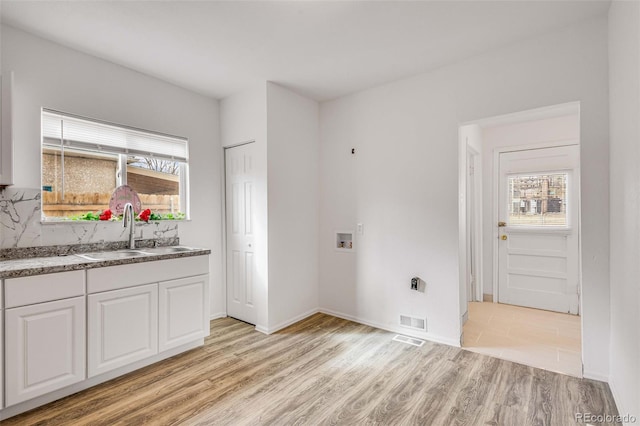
x,y
284,126
53,76
243,118
549,130
402,184
624,84
292,134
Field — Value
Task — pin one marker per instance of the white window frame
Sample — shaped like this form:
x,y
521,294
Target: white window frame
x,y
121,175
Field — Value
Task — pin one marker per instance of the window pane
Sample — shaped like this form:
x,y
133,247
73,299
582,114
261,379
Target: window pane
x,y
89,179
84,161
538,200
157,182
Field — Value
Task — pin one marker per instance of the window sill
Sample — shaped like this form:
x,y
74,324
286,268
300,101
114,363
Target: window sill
x,y
115,222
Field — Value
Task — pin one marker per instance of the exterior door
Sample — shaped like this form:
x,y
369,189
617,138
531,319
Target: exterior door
x,y
538,215
240,192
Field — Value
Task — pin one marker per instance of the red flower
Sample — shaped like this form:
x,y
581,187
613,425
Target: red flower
x,y
106,215
144,215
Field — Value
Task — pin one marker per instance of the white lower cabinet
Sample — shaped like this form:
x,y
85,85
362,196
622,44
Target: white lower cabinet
x,y
1,353
123,327
44,348
183,311
63,328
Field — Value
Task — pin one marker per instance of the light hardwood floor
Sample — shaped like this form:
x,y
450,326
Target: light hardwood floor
x,y
325,370
533,337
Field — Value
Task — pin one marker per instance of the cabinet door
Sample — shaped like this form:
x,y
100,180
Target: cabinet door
x,y
44,348
183,311
1,360
123,327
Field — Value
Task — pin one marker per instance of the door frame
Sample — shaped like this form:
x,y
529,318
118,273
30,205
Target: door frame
x,y
496,120
495,208
474,223
224,219
464,150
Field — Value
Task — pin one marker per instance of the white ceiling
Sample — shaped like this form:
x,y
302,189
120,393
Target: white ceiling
x,y
322,49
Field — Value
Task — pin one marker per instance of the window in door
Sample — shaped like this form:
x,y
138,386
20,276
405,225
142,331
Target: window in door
x,y
538,199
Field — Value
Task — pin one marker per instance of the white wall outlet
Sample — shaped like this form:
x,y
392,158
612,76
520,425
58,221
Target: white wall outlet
x,y
359,229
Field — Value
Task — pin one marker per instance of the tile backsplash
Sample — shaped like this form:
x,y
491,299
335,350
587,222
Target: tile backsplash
x,y
20,225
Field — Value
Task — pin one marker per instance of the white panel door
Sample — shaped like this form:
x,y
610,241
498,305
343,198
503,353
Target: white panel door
x,y
538,228
45,348
240,193
123,327
183,311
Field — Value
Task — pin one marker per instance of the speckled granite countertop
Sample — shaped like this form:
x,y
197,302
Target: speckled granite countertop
x,y
46,260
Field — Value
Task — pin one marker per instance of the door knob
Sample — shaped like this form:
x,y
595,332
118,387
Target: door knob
x,y
504,237
249,244
502,224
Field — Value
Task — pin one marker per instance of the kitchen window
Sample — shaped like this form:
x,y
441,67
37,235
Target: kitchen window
x,y
84,160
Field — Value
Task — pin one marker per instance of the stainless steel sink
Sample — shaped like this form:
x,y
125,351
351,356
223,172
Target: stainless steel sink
x,y
112,255
170,249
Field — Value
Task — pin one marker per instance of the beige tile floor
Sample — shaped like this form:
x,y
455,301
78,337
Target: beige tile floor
x,y
537,338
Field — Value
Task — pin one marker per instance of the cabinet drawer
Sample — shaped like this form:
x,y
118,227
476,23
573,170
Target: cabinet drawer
x,y
43,288
123,276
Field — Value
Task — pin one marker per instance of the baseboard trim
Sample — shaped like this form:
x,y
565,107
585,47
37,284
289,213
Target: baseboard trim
x,y
217,315
261,329
487,297
398,329
287,323
616,398
592,375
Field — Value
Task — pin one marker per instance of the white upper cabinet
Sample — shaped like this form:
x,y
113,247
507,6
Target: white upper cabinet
x,y
6,129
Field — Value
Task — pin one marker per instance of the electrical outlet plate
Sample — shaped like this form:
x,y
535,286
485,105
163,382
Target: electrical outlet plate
x,y
415,281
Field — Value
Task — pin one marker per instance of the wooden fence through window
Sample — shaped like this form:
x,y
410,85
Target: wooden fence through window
x,y
75,204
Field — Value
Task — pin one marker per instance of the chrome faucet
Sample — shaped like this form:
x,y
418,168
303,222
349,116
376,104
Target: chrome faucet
x,y
128,217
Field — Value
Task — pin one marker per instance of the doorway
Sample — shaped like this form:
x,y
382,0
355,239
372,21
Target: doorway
x,y
528,305
240,232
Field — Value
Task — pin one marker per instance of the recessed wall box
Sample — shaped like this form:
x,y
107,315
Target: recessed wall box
x,y
345,241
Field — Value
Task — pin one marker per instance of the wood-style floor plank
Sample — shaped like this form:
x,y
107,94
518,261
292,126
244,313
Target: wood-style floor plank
x,y
325,370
